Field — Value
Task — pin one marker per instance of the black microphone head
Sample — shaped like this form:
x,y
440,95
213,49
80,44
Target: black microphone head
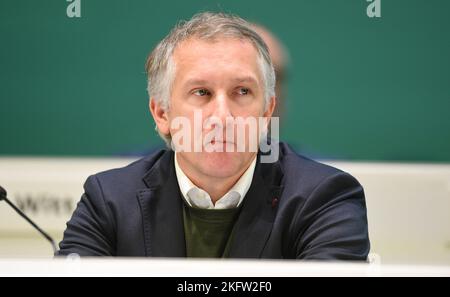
x,y
2,193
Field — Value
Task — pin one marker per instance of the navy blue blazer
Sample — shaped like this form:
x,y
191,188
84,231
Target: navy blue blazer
x,y
295,209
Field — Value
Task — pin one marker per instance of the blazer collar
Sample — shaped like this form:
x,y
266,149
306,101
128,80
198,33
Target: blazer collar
x,y
254,225
161,208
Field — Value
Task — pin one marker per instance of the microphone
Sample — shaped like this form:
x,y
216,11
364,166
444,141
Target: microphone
x,y
3,196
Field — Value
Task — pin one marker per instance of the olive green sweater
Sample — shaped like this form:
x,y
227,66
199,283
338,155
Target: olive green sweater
x,y
208,232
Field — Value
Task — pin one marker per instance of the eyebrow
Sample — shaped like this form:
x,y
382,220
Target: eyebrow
x,y
243,79
195,81
248,79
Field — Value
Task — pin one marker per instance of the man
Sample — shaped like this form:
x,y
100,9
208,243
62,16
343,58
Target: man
x,y
280,60
221,202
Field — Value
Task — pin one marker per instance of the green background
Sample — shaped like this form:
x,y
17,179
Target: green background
x,y
358,88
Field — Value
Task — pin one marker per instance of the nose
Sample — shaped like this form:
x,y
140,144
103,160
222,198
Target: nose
x,y
221,107
219,113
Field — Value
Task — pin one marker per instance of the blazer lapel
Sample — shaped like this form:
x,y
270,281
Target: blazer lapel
x,y
161,208
162,214
254,224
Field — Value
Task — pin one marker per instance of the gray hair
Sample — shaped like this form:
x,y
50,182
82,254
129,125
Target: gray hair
x,y
160,66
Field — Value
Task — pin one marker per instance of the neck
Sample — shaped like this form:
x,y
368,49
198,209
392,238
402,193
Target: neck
x,y
216,187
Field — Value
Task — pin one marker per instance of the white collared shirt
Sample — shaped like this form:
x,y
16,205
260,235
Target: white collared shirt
x,y
199,198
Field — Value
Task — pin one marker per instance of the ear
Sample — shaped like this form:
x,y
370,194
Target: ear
x,y
160,116
271,107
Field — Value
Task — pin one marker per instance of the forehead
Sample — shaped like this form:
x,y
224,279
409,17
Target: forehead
x,y
214,58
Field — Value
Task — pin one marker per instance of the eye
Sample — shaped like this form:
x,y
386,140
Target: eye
x,y
202,92
243,91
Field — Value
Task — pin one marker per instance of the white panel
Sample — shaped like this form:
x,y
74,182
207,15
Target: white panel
x,y
408,204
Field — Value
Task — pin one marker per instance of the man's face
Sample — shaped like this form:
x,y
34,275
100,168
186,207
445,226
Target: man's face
x,y
219,79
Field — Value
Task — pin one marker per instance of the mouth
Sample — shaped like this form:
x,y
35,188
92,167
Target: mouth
x,y
221,146
219,142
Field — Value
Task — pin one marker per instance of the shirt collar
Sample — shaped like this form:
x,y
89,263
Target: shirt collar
x,y
197,197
